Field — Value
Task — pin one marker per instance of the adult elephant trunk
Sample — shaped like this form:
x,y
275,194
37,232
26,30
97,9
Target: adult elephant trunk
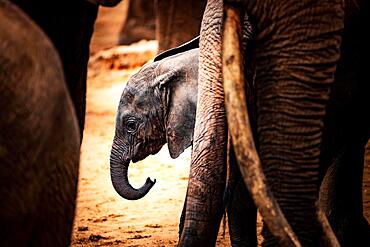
x,y
207,171
240,130
119,162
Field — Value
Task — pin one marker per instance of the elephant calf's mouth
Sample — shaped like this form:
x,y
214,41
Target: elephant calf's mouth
x,y
141,152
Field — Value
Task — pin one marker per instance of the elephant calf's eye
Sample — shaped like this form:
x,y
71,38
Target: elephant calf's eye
x,y
131,126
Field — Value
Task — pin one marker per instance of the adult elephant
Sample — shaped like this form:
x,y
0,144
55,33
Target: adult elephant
x,y
39,137
69,25
297,50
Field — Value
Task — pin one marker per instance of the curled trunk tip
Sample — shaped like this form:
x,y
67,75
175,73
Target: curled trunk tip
x,y
119,177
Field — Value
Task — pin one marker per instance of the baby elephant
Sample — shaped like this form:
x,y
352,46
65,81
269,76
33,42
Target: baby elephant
x,y
157,106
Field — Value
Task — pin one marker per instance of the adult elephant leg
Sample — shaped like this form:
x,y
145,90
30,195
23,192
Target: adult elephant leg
x,y
177,22
139,23
297,48
241,211
345,137
70,27
207,172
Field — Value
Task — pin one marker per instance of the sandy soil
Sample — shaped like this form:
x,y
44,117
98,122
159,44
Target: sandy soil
x,y
102,216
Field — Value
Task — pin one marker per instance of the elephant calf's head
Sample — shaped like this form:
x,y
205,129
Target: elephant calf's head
x,y
157,106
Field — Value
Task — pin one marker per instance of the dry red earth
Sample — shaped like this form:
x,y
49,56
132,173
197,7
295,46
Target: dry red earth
x,y
102,216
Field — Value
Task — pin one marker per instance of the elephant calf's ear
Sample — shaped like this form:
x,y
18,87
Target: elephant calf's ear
x,y
179,129
180,122
180,112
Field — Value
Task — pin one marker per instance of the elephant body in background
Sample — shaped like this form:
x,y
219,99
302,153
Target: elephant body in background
x,y
299,48
39,137
177,22
172,23
140,22
69,25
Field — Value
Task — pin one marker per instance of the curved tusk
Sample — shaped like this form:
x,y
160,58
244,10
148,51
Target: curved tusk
x,y
328,236
239,127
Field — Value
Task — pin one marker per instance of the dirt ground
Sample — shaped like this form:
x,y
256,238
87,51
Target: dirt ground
x,y
102,216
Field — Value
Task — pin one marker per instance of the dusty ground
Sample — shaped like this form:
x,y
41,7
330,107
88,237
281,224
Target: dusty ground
x,y
103,217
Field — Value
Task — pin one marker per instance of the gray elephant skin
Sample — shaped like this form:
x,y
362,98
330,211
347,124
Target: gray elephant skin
x,y
39,137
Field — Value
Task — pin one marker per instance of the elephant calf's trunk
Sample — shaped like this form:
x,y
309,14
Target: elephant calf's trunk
x,y
118,172
239,127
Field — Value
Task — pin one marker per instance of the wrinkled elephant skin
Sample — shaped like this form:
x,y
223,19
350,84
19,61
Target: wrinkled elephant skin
x,y
39,137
